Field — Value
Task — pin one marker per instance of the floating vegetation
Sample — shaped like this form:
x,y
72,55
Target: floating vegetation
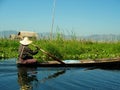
x,y
64,49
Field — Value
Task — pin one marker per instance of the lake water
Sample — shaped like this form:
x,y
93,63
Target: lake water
x,y
14,78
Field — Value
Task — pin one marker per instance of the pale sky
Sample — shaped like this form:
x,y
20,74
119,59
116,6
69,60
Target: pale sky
x,y
83,17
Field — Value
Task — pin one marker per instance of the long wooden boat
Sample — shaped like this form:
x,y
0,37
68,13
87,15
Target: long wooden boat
x,y
102,63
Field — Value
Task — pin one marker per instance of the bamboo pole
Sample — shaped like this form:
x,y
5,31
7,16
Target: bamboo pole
x,y
50,55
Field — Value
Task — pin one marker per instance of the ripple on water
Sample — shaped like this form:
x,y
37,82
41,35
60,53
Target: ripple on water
x,y
60,78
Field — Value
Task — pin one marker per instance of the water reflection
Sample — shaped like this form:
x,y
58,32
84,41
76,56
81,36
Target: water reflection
x,y
53,75
27,77
116,68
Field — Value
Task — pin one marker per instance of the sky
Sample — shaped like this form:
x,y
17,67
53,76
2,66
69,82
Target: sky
x,y
82,17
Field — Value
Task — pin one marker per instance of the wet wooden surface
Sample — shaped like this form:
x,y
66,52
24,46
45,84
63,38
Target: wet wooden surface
x,y
111,62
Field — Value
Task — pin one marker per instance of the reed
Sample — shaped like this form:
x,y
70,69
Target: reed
x,y
64,48
8,48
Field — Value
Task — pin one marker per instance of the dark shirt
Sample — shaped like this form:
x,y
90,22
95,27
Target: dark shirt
x,y
26,53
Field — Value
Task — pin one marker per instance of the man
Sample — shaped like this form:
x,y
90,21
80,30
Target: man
x,y
25,53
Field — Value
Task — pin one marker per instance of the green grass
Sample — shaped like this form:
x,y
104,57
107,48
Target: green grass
x,y
64,49
8,48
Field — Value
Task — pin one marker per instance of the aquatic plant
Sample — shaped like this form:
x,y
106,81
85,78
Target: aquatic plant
x,y
64,48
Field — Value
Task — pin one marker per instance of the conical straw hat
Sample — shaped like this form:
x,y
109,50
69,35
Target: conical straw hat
x,y
25,41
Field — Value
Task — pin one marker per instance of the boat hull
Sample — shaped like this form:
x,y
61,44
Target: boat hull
x,y
81,63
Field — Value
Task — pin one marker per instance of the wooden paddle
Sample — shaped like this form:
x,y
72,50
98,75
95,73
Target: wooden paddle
x,y
50,55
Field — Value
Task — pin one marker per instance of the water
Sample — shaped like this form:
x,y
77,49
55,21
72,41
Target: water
x,y
13,78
